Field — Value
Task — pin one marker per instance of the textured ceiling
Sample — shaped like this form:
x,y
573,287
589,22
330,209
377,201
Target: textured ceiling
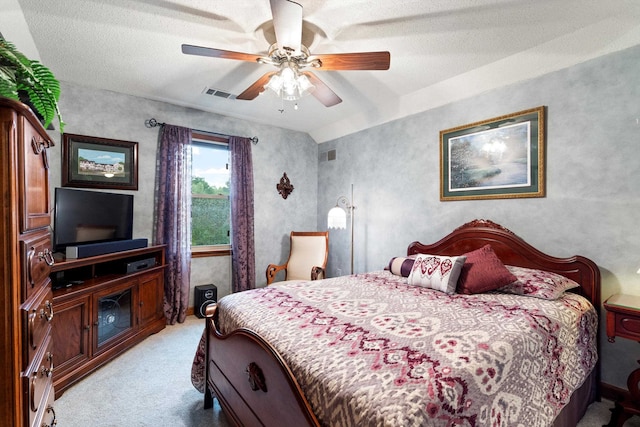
x,y
441,50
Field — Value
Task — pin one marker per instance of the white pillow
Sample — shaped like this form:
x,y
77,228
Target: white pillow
x,y
436,272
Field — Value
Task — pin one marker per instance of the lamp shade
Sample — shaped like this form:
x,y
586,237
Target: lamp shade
x,y
289,83
337,218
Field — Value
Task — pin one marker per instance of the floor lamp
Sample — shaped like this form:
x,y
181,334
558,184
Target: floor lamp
x,y
337,217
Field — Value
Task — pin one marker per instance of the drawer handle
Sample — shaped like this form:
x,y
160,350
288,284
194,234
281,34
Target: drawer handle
x,y
47,256
40,147
32,327
54,421
47,311
32,252
45,372
32,392
48,372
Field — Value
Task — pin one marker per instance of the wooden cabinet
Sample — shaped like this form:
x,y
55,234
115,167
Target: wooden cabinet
x,y
71,326
623,320
33,189
101,310
26,310
150,299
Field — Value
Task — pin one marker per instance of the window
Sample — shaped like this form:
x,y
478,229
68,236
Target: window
x,y
210,204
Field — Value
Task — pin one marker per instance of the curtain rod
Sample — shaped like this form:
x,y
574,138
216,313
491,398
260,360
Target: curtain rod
x,y
151,123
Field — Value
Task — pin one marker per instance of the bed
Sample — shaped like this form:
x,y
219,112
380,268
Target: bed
x,y
390,347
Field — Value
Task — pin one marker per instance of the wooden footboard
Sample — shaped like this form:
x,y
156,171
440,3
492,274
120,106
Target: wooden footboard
x,y
251,381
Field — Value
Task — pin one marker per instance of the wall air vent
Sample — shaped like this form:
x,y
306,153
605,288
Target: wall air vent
x,y
325,156
219,93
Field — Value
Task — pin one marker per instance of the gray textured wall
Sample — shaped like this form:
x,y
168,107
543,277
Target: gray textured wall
x,y
592,170
92,112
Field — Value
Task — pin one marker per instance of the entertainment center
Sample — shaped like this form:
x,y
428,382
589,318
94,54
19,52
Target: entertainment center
x,y
104,305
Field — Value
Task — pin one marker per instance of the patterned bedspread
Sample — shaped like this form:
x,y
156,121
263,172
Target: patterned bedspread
x,y
370,350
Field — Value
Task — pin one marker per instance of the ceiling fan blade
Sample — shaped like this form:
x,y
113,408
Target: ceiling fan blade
x,y
218,53
322,92
256,88
287,23
354,61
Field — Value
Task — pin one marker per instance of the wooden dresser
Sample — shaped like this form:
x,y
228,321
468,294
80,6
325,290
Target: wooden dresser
x,y
26,299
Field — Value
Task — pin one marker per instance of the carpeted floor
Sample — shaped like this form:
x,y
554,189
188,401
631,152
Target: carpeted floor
x,y
150,385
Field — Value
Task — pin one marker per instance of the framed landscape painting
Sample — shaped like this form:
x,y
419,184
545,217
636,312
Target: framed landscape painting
x,y
92,162
497,158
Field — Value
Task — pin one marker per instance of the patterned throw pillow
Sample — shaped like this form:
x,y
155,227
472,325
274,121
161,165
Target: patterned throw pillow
x,y
401,266
538,283
436,272
483,271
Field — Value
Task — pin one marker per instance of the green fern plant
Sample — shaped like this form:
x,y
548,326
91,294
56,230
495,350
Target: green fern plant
x,y
20,75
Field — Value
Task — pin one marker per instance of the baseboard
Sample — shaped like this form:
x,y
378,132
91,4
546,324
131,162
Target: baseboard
x,y
190,311
613,393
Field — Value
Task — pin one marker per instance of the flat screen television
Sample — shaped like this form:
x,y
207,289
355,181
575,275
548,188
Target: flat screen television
x,y
83,216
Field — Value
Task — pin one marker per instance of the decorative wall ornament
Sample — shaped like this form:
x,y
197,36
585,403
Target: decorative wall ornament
x,y
284,187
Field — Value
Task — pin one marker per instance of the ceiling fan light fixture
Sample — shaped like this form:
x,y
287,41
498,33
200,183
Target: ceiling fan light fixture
x,y
274,83
289,84
305,84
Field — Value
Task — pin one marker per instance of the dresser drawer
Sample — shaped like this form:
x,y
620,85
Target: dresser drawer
x,y
37,315
46,416
37,381
627,326
37,259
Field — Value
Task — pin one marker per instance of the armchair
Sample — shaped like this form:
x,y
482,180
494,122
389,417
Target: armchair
x,y
307,257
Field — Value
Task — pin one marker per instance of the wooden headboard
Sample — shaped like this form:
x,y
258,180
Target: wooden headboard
x,y
512,250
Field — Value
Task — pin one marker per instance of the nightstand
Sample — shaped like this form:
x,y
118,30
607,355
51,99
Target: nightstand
x,y
623,320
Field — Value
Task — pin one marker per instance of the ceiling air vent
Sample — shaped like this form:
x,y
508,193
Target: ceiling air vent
x,y
219,93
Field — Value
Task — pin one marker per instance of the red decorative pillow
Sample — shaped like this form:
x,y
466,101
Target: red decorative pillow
x,y
483,271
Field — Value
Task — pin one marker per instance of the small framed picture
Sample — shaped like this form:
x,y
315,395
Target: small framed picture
x,y
93,162
497,158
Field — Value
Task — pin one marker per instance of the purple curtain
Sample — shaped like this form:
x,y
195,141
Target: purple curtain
x,y
243,266
173,217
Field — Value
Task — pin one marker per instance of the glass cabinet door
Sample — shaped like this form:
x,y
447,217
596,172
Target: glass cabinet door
x,y
114,316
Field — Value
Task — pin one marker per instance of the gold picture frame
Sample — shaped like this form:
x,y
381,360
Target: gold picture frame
x,y
498,158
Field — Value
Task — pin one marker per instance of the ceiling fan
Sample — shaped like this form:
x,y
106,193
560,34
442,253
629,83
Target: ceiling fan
x,y
292,59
